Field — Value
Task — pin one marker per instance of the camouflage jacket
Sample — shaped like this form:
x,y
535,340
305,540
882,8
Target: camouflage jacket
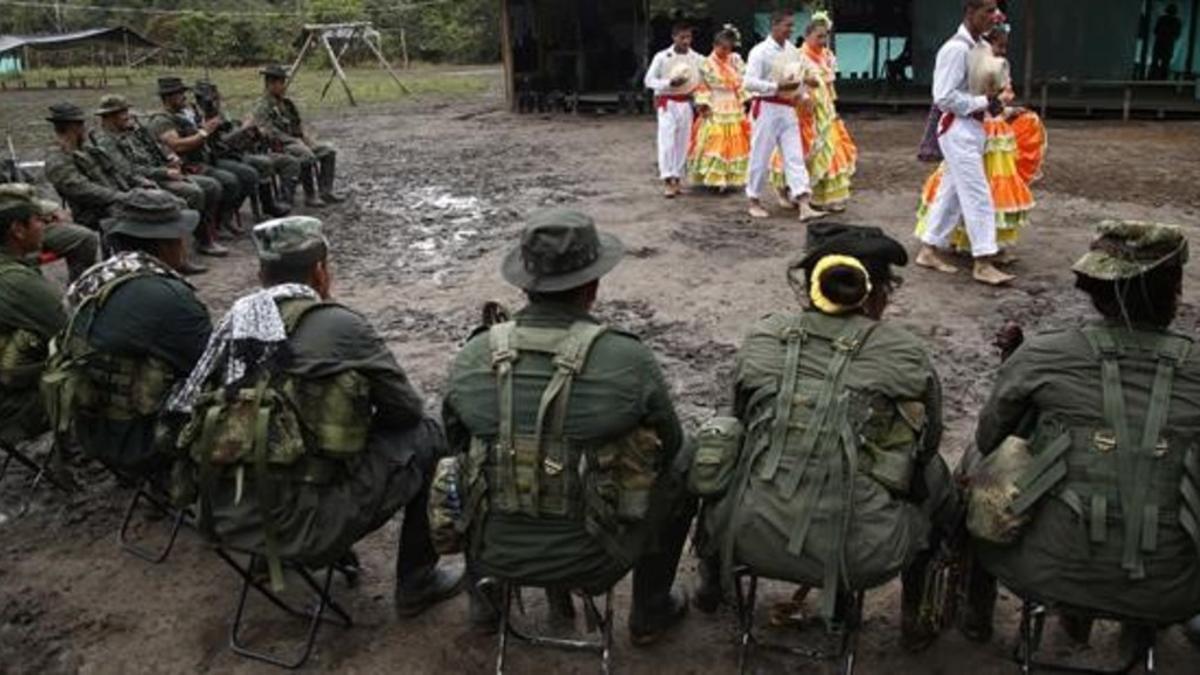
x,y
133,151
30,315
278,120
89,180
162,122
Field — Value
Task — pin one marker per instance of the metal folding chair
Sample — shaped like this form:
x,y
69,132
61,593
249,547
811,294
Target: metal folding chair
x,y
845,628
315,615
145,492
595,620
41,470
1033,623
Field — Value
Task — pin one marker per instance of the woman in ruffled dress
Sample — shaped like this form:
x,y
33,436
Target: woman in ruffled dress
x,y
720,152
1013,158
829,150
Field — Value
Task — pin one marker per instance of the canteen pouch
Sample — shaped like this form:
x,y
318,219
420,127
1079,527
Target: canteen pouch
x,y
889,459
628,469
22,355
993,493
446,507
719,444
226,431
335,409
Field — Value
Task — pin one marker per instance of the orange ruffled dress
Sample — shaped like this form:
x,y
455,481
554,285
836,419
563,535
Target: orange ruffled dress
x,y
829,151
719,156
1013,158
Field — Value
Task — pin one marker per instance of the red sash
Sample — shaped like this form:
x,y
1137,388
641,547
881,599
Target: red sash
x,y
756,104
948,120
661,101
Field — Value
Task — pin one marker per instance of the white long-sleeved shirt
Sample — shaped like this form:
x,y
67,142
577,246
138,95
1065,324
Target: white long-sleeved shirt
x,y
658,75
760,64
951,91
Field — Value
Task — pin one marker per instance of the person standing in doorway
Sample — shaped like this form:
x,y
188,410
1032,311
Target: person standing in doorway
x,y
1167,30
674,75
964,193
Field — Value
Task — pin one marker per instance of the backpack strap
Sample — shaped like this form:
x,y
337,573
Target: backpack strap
x,y
293,311
1136,457
504,357
794,337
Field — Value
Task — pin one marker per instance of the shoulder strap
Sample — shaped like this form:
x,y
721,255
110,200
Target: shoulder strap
x,y
293,311
1135,456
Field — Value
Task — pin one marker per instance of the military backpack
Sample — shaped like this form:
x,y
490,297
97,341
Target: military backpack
x,y
274,430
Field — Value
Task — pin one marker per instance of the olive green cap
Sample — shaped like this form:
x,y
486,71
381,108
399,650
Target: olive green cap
x,y
151,214
18,195
111,103
294,237
1126,249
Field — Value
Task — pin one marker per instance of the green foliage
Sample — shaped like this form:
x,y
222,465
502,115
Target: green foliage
x,y
336,11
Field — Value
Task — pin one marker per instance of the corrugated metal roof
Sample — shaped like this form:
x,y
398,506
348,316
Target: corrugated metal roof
x,y
117,35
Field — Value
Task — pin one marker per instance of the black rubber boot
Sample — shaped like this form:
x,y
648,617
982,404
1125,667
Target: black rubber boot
x,y
325,180
308,183
647,625
269,205
424,589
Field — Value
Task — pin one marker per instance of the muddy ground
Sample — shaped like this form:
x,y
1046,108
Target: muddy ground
x,y
439,187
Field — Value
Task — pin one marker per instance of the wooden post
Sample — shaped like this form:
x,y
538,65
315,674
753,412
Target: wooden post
x,y
386,66
506,56
1128,105
300,58
125,37
341,53
1029,39
337,69
404,48
1045,97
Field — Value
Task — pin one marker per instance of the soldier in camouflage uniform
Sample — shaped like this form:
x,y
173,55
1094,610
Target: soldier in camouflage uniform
x,y
617,412
1110,411
30,312
87,179
278,119
369,447
178,133
234,143
135,328
75,244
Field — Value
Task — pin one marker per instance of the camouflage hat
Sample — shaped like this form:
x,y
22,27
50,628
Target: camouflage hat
x,y
171,85
291,237
66,112
274,72
112,103
18,195
1126,249
151,214
561,250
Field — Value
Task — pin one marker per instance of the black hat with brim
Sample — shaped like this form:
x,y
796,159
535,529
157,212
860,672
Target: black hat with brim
x,y
561,250
274,73
66,112
171,85
151,214
868,244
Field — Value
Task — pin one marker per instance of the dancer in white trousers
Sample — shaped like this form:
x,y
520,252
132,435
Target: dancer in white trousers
x,y
964,194
673,100
774,123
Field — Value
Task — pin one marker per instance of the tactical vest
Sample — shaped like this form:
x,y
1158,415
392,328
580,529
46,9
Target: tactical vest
x,y
81,381
817,497
1124,484
280,429
545,474
185,127
22,352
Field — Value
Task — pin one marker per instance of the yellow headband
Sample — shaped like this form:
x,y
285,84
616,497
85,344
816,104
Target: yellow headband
x,y
814,285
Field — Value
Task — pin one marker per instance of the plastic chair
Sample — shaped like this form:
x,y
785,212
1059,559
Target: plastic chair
x,y
596,621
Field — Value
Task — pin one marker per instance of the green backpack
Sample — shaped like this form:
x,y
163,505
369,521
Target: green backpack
x,y
547,475
1132,495
279,429
816,497
79,380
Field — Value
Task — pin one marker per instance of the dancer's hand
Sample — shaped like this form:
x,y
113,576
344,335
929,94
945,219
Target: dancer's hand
x,y
678,81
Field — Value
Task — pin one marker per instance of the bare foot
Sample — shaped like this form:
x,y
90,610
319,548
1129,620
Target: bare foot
x,y
669,190
785,199
986,273
840,207
757,211
808,213
930,258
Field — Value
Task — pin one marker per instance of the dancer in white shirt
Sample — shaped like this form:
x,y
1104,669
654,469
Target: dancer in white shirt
x,y
774,123
673,87
965,193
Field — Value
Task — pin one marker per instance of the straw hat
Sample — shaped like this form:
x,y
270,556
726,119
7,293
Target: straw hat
x,y
987,74
682,68
789,68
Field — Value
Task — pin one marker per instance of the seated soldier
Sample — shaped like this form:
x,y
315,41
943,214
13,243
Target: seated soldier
x,y
351,446
1108,514
840,482
81,174
135,328
30,313
582,409
75,244
278,120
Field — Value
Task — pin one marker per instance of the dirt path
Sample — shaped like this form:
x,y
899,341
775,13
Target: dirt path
x,y
439,189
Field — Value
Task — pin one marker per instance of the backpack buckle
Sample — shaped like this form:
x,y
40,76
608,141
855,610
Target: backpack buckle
x,y
503,357
845,344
